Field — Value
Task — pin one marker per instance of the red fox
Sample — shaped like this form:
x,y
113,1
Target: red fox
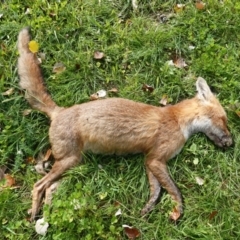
x,y
120,126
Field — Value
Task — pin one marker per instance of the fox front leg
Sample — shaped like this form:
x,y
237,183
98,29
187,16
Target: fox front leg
x,y
160,172
155,189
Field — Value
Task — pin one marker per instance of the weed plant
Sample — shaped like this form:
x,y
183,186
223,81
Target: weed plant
x,y
138,45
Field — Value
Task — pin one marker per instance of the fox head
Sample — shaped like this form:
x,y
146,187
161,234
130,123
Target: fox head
x,y
211,118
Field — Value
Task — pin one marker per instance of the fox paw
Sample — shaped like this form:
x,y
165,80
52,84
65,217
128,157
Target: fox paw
x,y
175,214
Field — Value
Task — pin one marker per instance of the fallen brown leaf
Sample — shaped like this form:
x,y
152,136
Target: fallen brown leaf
x,y
8,182
179,8
94,97
42,56
8,92
98,55
213,214
147,88
116,203
41,226
164,100
224,185
77,66
26,112
4,221
200,5
28,11
98,94
199,181
131,232
58,67
113,90
119,212
52,14
134,5
31,160
128,22
179,62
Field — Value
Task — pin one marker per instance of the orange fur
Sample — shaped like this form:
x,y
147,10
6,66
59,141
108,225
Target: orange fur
x,y
119,126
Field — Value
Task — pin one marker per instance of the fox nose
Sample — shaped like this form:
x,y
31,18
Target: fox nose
x,y
227,141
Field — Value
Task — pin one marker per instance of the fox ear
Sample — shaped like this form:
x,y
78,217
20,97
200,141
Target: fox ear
x,y
204,92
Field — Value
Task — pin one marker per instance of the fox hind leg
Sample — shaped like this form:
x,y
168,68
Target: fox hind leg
x,y
58,168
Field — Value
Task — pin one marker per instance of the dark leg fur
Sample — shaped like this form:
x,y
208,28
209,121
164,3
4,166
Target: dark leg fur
x,y
56,172
160,172
155,189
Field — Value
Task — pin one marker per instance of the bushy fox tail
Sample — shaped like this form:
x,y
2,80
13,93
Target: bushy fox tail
x,y
31,77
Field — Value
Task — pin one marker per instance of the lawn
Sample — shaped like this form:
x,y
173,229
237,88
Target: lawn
x,y
120,47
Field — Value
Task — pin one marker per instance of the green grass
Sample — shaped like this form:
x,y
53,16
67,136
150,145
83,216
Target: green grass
x,y
137,47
